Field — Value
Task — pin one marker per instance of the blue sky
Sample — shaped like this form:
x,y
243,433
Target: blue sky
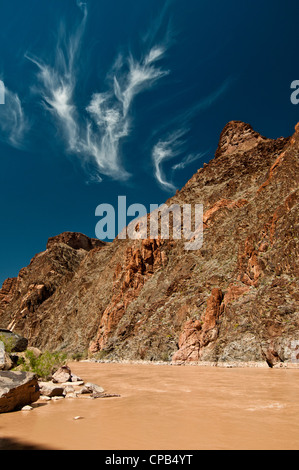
x,y
127,98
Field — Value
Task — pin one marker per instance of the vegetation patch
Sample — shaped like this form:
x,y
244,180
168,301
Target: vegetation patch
x,y
43,366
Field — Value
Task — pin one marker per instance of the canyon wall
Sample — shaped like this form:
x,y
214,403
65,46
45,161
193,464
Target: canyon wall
x,y
235,299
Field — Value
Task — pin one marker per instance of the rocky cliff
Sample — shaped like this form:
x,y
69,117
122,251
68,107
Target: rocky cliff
x,y
235,299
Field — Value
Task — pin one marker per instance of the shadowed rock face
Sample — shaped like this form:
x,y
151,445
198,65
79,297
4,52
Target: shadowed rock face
x,y
235,299
15,342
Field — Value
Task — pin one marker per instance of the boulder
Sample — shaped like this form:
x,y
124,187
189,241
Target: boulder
x,y
13,341
50,389
68,389
63,374
37,352
5,361
27,408
91,388
71,395
17,389
75,378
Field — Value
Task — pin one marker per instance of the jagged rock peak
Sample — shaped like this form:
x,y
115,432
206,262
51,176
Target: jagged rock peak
x,y
238,136
76,241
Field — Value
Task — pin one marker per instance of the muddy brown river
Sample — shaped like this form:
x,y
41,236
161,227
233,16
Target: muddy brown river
x,y
165,408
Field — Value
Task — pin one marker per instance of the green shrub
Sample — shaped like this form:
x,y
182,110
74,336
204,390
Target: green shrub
x,y
79,356
8,343
165,357
101,355
43,366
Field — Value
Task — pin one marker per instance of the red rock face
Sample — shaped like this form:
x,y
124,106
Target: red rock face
x,y
235,299
196,334
141,262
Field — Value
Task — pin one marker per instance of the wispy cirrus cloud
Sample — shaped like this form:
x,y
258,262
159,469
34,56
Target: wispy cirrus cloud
x,y
165,150
168,148
13,122
96,130
140,76
58,81
161,25
170,145
110,111
188,160
96,134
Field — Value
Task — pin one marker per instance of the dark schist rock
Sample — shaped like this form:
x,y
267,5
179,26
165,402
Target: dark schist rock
x,y
17,389
15,342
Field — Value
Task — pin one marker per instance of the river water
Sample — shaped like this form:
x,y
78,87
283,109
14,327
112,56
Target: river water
x,y
165,408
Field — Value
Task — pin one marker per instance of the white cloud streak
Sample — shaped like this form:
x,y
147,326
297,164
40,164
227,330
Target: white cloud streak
x,y
99,133
140,76
171,146
13,122
58,82
165,150
96,133
110,111
163,20
188,160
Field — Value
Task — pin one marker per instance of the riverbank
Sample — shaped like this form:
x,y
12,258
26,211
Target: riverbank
x,y
221,365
